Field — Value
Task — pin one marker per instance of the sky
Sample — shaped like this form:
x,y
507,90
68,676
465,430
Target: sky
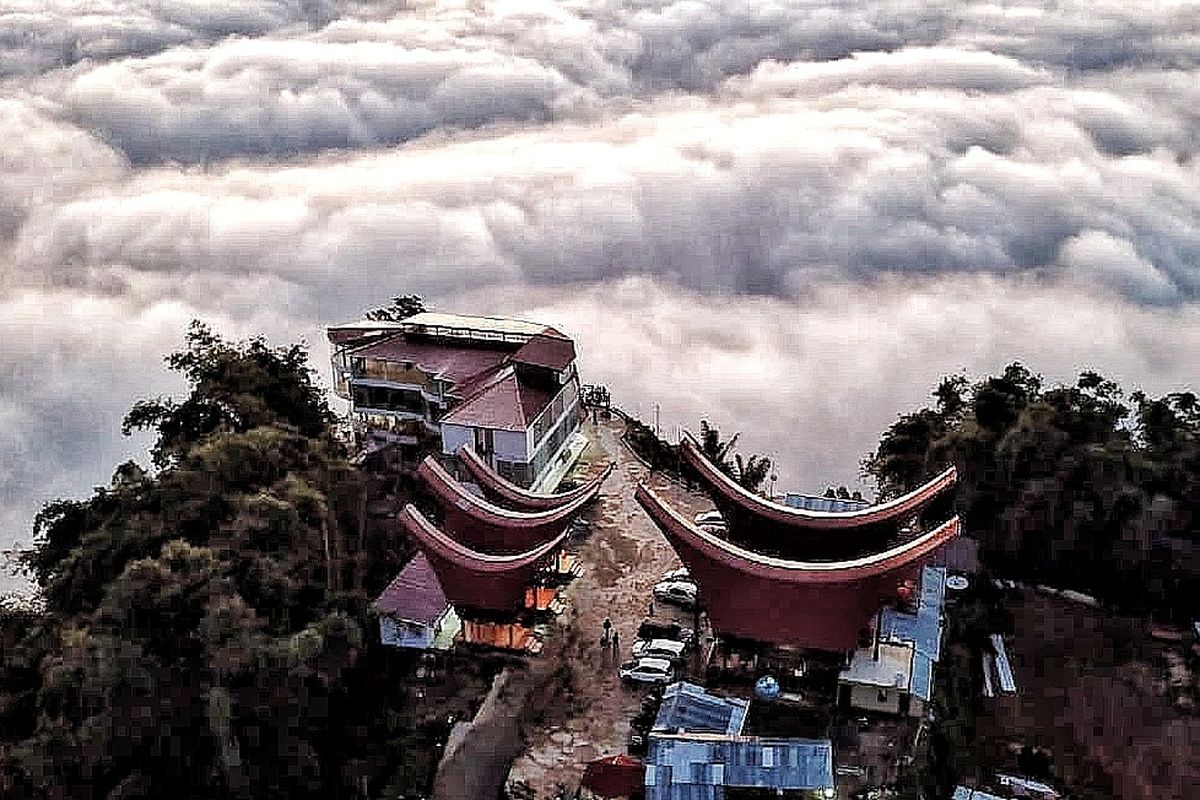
x,y
787,217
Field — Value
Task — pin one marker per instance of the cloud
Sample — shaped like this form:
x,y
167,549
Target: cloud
x,y
790,216
45,162
278,98
41,35
814,380
1108,260
723,194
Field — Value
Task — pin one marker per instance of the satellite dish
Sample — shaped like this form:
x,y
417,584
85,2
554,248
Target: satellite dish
x,y
957,583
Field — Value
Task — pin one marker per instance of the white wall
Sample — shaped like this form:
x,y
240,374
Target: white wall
x,y
455,436
400,635
507,445
867,698
511,445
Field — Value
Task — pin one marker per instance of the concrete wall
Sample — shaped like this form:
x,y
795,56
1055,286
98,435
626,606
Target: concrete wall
x,y
507,445
867,698
455,436
398,634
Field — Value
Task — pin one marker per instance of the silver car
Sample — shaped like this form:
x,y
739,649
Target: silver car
x,y
666,649
647,670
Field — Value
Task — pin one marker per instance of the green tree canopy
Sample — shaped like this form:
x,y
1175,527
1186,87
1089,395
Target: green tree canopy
x,y
202,628
402,307
1067,484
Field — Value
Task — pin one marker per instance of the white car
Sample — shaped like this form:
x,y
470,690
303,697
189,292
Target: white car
x,y
666,649
709,518
681,593
647,670
680,574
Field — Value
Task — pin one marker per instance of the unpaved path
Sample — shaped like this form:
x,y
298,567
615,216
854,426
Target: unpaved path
x,y
623,557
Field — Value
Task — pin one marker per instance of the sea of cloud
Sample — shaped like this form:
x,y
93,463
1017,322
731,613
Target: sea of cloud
x,y
790,217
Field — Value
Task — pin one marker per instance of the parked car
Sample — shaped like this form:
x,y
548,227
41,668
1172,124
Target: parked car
x,y
680,574
657,629
681,593
647,670
658,648
709,518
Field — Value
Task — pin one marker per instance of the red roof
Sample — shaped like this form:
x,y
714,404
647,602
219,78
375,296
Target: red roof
x,y
552,352
822,605
764,525
487,528
615,776
509,495
415,595
477,580
457,362
503,402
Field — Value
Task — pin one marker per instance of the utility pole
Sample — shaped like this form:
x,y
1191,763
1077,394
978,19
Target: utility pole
x,y
656,410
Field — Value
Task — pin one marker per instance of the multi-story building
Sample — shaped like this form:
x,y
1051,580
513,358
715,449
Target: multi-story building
x,y
434,382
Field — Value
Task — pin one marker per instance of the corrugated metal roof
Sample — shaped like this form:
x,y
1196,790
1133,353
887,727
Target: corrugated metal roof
x,y
699,766
689,707
923,629
465,322
812,502
921,684
965,793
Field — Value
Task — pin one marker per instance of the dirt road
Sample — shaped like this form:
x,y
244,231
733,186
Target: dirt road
x,y
623,556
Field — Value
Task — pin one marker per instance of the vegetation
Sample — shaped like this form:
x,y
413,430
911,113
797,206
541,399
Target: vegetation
x,y
402,307
1071,485
203,630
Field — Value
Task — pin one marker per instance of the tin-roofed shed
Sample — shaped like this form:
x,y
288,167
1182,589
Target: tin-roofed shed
x,y
705,766
688,707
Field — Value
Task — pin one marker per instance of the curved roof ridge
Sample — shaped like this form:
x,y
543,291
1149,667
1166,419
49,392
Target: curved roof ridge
x,y
675,524
445,546
497,487
803,518
451,492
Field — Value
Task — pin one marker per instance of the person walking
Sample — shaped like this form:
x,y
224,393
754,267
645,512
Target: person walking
x,y
650,613
607,627
616,643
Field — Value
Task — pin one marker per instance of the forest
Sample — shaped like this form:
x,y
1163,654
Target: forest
x,y
1076,485
202,629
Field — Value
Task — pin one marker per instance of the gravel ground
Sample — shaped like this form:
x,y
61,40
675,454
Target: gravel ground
x,y
623,557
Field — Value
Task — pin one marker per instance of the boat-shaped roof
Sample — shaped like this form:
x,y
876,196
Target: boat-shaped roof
x,y
487,527
818,604
506,493
472,579
766,526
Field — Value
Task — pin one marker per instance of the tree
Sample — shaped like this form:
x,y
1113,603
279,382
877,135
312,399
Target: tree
x,y
715,449
233,387
402,307
1059,487
752,472
194,638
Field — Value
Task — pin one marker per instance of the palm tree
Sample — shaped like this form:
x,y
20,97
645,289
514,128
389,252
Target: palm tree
x,y
752,472
716,450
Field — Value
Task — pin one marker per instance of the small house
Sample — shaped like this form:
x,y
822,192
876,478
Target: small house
x,y
413,610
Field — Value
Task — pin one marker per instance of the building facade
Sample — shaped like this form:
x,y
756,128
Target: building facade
x,y
435,382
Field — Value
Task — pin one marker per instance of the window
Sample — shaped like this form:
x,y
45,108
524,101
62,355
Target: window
x,y
484,444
